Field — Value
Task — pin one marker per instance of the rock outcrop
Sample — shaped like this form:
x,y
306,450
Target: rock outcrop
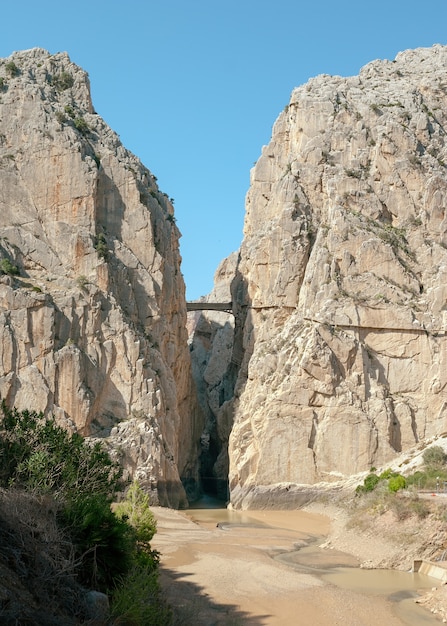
x,y
92,300
341,286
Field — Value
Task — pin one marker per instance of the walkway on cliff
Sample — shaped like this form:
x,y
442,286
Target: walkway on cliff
x,y
210,306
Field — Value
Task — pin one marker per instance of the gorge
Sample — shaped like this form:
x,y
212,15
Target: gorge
x,y
333,357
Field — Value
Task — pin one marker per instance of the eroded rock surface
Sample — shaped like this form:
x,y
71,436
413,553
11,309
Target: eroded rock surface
x,y
342,276
215,368
93,327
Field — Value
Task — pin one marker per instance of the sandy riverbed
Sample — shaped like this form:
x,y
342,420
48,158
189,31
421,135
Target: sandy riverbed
x,y
228,574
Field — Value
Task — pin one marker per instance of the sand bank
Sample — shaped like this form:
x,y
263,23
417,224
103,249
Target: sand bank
x,y
228,574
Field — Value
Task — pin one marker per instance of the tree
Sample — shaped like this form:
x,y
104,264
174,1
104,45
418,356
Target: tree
x,y
135,509
434,457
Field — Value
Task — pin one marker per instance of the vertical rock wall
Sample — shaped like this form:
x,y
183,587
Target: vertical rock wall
x,y
215,369
342,277
94,325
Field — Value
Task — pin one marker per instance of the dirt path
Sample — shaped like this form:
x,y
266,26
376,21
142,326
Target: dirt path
x,y
226,575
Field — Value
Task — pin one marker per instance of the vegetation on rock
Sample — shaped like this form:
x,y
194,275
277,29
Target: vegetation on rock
x,y
101,247
434,457
12,69
63,81
433,475
6,267
64,535
394,481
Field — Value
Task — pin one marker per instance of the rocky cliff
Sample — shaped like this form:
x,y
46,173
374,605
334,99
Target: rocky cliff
x,y
92,300
340,292
215,370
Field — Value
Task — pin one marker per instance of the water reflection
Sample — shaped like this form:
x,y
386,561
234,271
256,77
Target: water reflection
x,y
209,510
207,502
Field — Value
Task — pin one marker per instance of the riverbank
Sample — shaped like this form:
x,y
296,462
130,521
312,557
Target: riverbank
x,y
380,537
231,573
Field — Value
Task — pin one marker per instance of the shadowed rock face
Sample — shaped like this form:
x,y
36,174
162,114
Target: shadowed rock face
x,y
215,367
93,329
343,278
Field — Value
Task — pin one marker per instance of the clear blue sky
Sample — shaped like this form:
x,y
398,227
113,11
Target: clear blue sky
x,y
193,88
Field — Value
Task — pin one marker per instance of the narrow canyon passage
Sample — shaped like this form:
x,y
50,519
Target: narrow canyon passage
x,y
228,567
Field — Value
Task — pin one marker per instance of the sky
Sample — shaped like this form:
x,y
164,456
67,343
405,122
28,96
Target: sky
x,y
194,88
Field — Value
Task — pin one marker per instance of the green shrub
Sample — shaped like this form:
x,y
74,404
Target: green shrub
x,y
369,484
386,474
12,69
60,117
137,601
63,81
430,478
104,543
6,267
69,110
135,509
82,282
396,482
81,125
38,455
137,598
418,479
434,457
101,247
105,551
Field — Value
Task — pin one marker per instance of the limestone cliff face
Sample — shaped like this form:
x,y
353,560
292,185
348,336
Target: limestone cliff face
x,y
343,279
215,372
93,329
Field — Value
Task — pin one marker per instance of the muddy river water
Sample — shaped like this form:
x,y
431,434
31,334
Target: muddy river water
x,y
266,568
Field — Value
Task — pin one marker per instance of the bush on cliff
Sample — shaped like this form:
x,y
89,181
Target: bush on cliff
x,y
434,473
6,267
369,484
394,481
434,457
